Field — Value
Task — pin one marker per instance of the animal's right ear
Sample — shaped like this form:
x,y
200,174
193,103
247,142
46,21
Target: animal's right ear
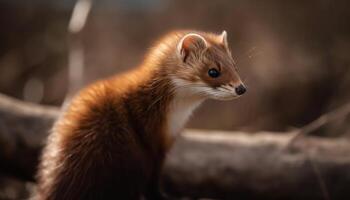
x,y
190,43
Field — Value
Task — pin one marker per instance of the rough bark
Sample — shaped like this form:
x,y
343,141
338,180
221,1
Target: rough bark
x,y
204,163
258,166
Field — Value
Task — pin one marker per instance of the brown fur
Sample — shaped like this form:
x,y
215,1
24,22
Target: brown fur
x,y
111,141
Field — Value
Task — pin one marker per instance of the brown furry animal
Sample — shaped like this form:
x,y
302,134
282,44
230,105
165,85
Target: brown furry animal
x,y
111,141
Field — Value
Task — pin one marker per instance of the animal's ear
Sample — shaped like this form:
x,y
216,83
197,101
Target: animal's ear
x,y
190,43
223,38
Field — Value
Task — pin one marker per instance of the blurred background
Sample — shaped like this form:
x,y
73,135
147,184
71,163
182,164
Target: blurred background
x,y
292,55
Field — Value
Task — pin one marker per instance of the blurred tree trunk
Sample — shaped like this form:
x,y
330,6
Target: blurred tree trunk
x,y
76,55
204,163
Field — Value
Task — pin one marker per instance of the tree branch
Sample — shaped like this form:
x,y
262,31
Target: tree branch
x,y
245,166
203,163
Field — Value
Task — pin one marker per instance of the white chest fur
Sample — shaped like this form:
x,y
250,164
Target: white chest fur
x,y
179,112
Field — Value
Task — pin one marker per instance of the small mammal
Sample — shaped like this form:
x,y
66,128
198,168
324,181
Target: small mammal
x,y
111,140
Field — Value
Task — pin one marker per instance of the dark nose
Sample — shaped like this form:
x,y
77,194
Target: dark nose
x,y
240,89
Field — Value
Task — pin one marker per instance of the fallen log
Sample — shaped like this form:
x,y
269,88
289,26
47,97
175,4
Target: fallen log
x,y
209,164
258,166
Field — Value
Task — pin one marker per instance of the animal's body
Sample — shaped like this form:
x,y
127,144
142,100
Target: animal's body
x,y
111,140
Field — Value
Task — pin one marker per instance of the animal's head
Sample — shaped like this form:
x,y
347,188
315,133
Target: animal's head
x,y
207,67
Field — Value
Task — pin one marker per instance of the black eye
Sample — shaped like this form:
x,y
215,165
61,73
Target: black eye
x,y
214,73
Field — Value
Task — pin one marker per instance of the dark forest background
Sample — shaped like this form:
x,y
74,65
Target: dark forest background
x,y
294,56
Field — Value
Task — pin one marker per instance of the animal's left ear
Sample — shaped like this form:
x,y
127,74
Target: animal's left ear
x,y
223,38
190,44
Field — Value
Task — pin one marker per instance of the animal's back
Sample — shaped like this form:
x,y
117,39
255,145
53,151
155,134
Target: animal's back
x,y
93,134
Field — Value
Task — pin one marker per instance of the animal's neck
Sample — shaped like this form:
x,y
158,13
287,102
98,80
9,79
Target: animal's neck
x,y
167,109
180,110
